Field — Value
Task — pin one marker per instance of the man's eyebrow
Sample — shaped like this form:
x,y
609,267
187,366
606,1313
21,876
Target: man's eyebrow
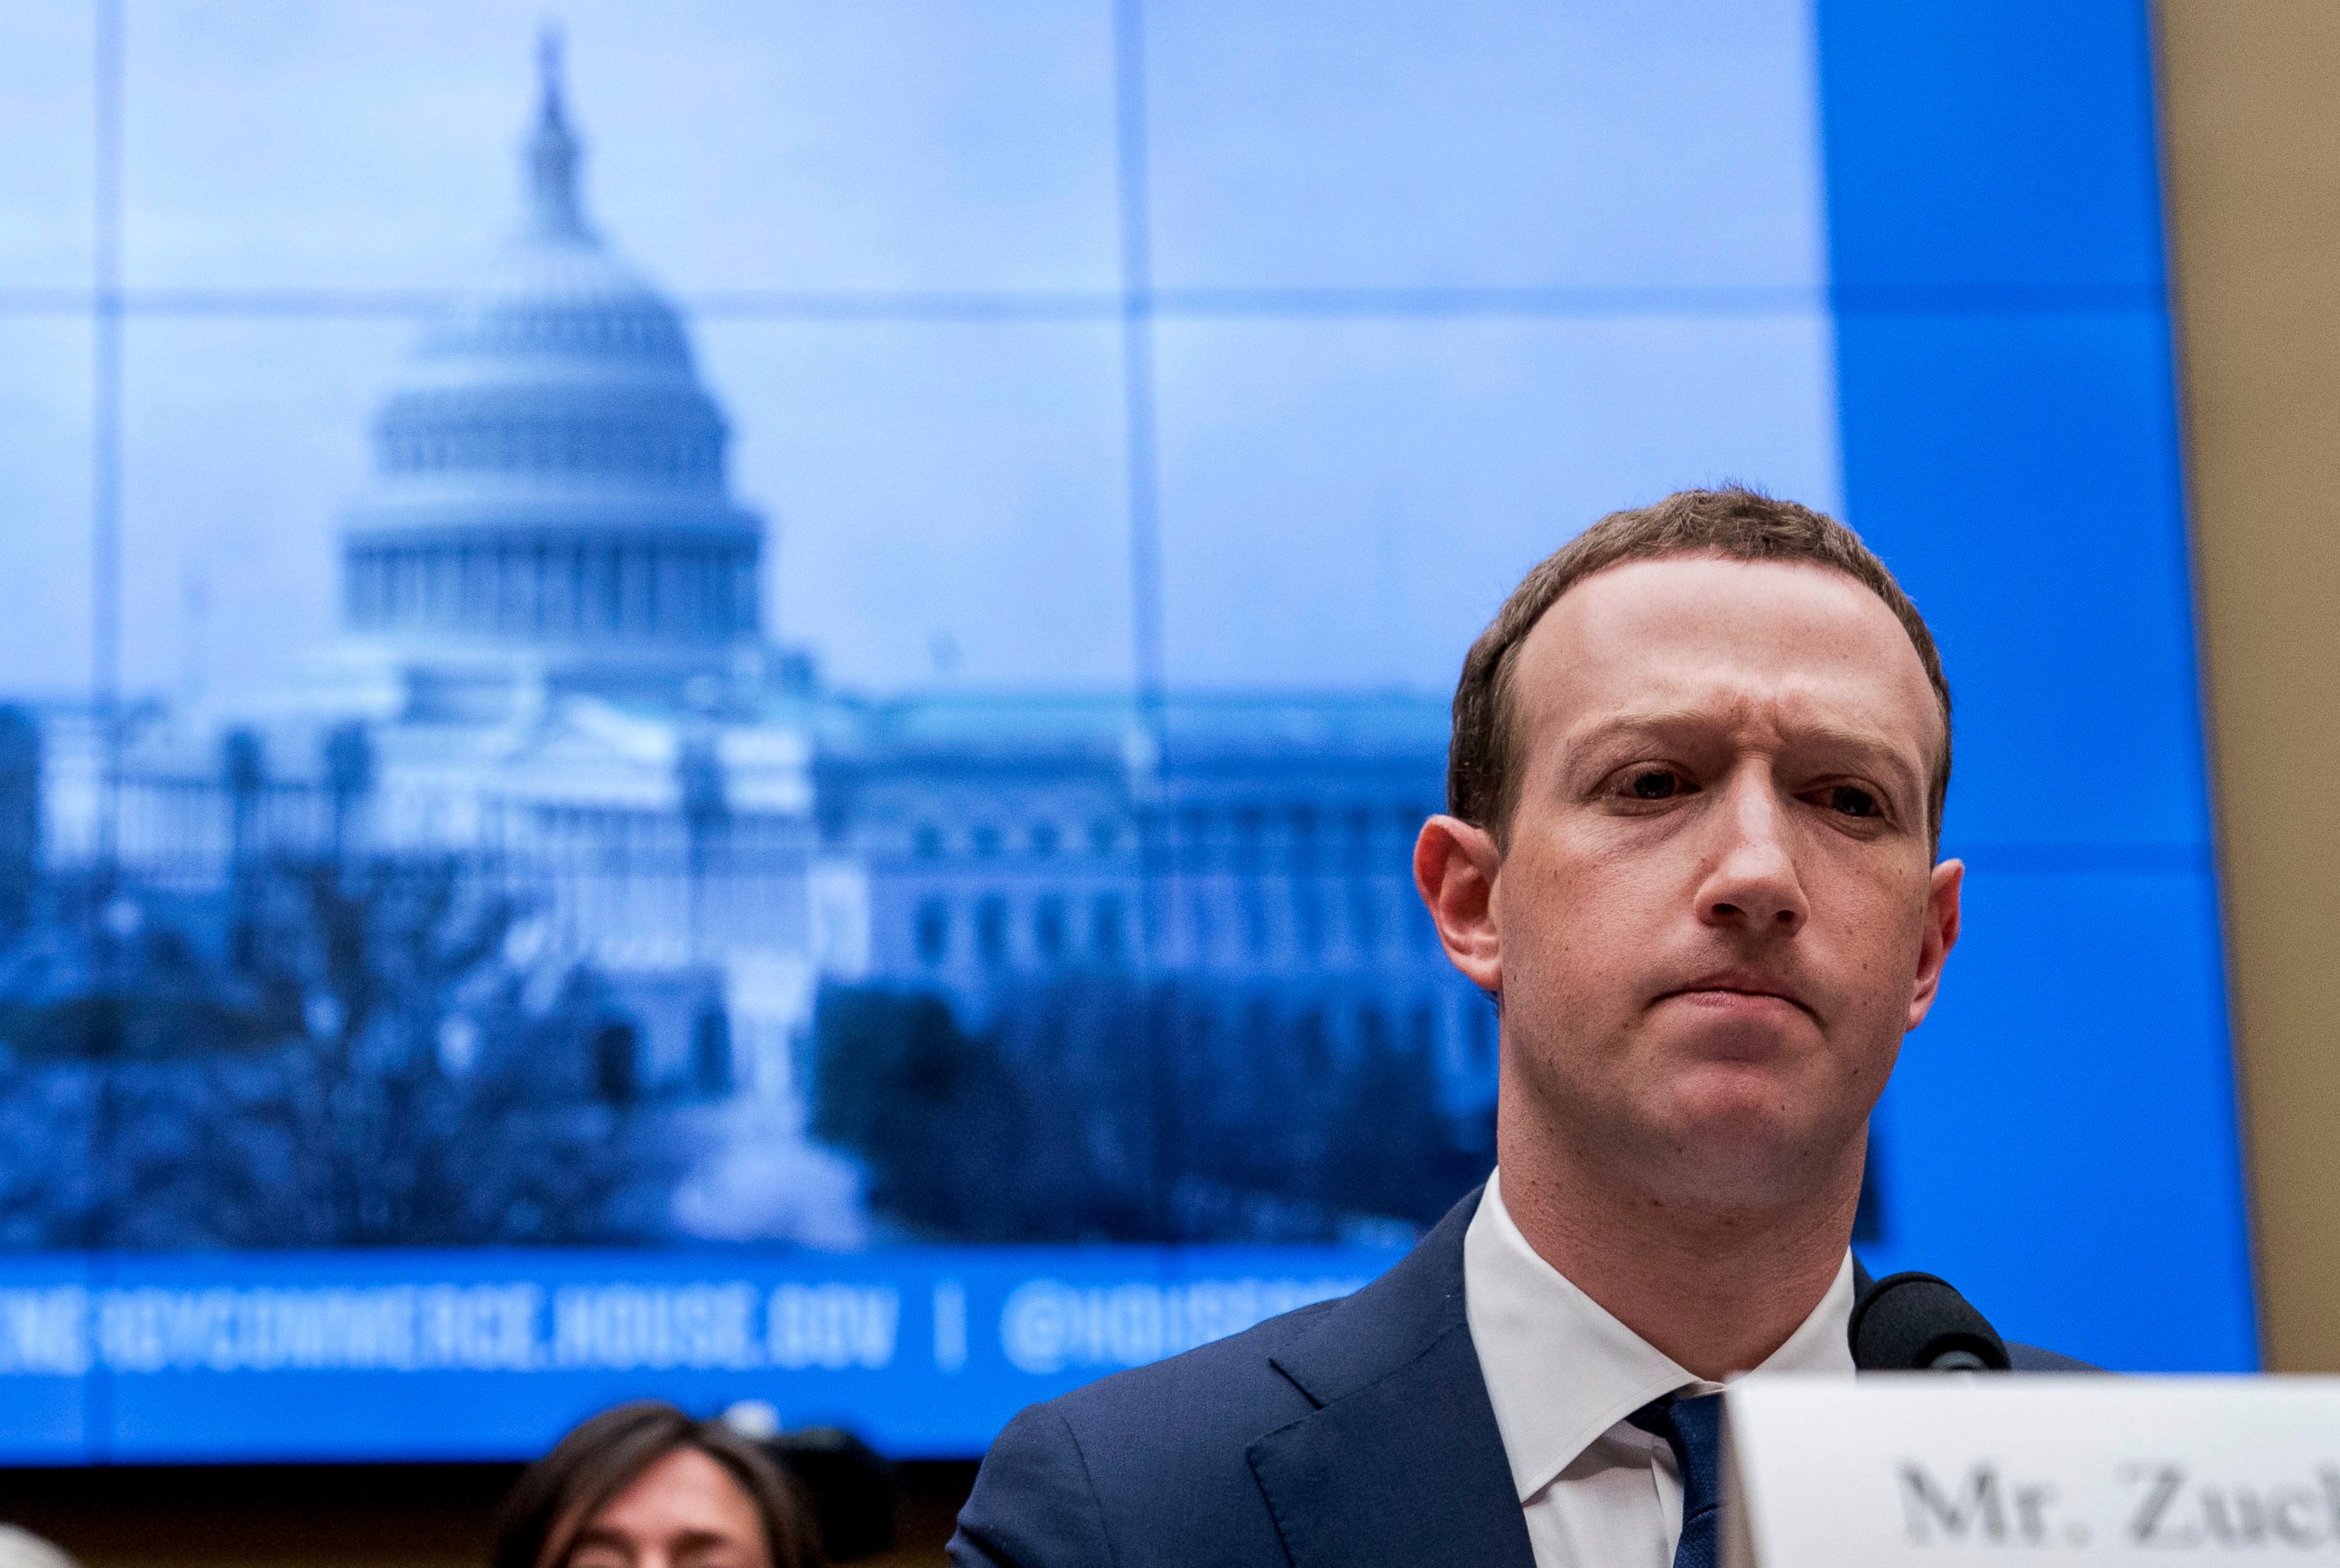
x,y
1867,744
1641,721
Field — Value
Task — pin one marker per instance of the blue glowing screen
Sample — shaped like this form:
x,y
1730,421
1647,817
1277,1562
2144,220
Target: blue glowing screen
x,y
727,702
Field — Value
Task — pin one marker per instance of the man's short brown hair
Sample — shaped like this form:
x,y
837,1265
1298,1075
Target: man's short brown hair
x,y
1734,523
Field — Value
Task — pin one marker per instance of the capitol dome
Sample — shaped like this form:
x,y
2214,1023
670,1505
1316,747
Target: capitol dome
x,y
550,497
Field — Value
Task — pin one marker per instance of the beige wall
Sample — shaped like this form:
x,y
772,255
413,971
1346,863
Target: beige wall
x,y
2250,94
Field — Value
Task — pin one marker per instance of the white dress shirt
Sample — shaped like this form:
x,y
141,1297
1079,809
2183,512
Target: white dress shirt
x,y
1564,1374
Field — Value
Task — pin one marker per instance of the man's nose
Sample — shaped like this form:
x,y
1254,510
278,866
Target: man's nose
x,y
1753,884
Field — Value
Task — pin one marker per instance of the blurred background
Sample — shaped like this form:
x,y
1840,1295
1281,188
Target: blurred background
x,y
726,702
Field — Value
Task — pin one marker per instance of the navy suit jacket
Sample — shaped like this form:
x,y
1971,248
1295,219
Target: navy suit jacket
x,y
1346,1434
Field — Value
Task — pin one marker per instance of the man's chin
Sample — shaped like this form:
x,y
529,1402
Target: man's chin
x,y
1742,1134
1728,1091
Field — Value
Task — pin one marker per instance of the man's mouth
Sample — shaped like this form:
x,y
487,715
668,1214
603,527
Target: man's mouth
x,y
1735,991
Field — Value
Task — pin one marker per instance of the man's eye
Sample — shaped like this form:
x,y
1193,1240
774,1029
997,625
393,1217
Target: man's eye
x,y
1853,801
1655,784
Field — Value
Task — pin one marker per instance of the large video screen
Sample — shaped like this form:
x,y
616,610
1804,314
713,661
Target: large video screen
x,y
729,701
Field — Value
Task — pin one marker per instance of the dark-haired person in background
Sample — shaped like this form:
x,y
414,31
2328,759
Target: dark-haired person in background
x,y
646,1486
1694,795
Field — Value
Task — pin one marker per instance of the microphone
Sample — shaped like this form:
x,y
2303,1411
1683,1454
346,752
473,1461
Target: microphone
x,y
1916,1323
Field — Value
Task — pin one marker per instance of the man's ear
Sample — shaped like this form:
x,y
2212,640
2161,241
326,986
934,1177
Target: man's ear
x,y
1454,867
1940,934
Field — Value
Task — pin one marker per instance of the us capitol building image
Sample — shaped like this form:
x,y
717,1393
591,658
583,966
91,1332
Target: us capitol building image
x,y
554,670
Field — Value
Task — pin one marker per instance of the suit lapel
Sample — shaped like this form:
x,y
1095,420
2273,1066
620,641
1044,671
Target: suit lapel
x,y
1401,1462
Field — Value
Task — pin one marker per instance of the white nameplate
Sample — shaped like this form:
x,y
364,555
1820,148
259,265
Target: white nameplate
x,y
1950,1469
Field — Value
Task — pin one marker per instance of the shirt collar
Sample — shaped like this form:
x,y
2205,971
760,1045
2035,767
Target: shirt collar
x,y
1561,1370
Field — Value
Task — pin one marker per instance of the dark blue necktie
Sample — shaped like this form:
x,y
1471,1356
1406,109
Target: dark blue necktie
x,y
1692,1428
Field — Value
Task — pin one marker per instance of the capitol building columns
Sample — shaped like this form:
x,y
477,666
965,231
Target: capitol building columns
x,y
585,591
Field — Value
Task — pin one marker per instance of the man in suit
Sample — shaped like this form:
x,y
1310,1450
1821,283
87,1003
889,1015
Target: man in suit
x,y
1694,805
